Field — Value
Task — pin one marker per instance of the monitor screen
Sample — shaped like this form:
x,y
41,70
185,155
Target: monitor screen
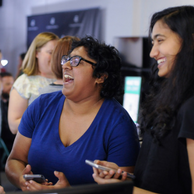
x,y
131,98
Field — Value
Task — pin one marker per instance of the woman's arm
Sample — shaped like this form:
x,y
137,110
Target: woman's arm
x,y
17,106
17,161
107,178
190,148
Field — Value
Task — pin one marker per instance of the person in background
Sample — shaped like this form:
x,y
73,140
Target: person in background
x,y
7,81
166,160
60,130
20,61
1,87
37,74
62,48
6,135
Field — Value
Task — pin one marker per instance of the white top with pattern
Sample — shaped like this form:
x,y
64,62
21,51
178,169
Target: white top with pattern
x,y
29,87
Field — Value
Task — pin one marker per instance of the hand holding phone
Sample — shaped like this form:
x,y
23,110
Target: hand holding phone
x,y
39,178
129,175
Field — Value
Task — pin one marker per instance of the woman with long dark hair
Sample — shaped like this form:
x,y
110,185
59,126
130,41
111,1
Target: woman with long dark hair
x,y
166,159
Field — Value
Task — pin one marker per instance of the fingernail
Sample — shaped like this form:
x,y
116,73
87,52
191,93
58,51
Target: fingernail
x,y
119,170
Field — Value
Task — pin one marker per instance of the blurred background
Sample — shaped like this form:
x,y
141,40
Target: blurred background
x,y
121,22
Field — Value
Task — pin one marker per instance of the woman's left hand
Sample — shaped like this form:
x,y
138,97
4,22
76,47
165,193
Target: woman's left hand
x,y
104,177
61,183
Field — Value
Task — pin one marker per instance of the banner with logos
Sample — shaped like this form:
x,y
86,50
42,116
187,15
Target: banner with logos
x,y
75,23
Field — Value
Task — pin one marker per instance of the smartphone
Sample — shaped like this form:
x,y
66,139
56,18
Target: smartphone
x,y
39,178
89,162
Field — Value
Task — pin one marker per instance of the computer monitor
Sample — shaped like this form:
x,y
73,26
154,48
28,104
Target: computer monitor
x,y
124,187
131,98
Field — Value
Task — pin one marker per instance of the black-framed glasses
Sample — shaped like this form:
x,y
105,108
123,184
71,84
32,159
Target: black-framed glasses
x,y
74,61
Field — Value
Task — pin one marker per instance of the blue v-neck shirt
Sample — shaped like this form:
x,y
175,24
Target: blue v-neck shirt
x,y
112,136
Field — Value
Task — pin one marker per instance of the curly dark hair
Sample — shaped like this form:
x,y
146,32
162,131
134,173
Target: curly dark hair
x,y
158,115
107,62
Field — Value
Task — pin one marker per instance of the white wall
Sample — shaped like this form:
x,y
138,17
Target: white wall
x,y
121,18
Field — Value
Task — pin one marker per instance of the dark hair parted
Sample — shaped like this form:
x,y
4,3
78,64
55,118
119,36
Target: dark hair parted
x,y
107,62
159,111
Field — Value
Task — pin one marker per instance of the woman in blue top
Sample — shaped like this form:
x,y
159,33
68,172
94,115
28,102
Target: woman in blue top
x,y
60,130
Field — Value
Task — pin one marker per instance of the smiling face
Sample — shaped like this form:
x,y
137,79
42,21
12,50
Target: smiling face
x,y
78,83
166,46
44,58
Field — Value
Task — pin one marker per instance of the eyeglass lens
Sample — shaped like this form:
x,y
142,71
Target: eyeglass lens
x,y
64,60
74,61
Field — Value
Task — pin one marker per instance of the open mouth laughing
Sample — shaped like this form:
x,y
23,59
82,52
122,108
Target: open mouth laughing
x,y
68,78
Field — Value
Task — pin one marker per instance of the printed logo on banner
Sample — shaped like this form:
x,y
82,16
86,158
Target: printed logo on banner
x,y
33,22
33,26
52,21
52,24
76,20
74,23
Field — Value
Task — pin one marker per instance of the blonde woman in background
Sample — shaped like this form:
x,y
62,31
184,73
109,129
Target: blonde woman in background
x,y
37,74
63,47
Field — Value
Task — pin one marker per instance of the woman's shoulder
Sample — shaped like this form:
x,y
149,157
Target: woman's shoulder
x,y
25,79
185,119
38,80
28,85
22,78
22,85
33,79
51,97
115,105
187,108
188,104
116,109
